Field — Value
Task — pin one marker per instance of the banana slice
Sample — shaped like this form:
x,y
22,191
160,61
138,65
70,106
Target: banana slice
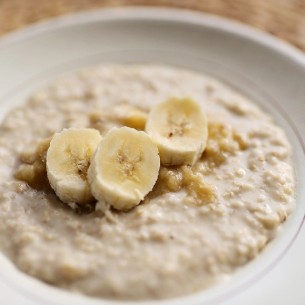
x,y
124,168
68,159
131,116
179,127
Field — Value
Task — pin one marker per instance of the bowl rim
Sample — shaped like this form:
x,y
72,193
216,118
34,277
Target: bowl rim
x,y
155,12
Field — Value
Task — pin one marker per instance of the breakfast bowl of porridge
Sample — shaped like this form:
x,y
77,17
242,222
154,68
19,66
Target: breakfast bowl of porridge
x,y
138,173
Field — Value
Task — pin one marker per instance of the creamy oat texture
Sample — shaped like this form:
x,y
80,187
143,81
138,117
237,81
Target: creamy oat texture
x,y
197,226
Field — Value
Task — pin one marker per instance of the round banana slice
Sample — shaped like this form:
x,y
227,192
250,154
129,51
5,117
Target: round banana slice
x,y
179,127
68,159
124,168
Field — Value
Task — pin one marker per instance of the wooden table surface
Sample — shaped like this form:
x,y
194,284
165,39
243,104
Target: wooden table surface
x,y
282,18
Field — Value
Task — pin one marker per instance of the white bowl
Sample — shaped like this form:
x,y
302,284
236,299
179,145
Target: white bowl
x,y
263,68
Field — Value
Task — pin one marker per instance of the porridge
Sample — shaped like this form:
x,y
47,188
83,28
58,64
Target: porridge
x,y
197,225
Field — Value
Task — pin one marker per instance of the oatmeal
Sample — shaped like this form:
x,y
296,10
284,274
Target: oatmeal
x,y
199,223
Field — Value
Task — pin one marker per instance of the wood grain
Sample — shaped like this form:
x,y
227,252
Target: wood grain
x,y
282,18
